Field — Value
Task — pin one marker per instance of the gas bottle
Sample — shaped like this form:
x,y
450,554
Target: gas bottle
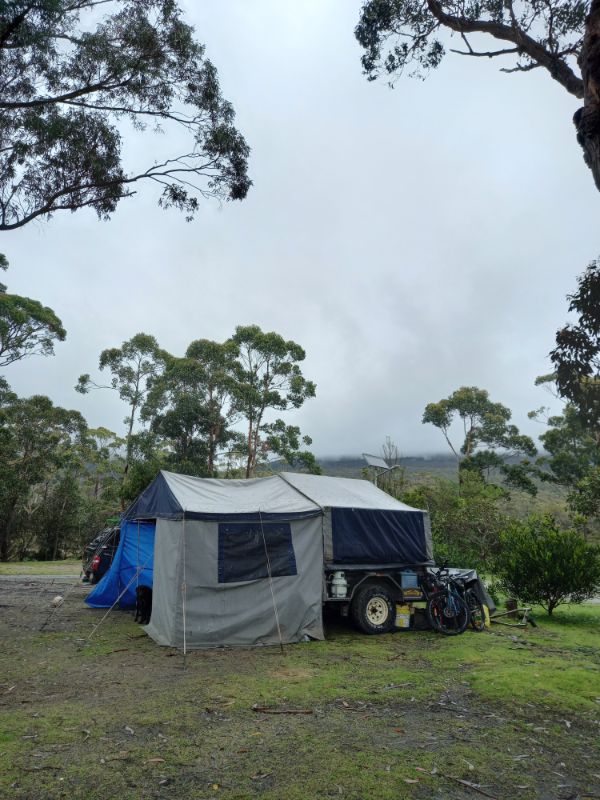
x,y
339,585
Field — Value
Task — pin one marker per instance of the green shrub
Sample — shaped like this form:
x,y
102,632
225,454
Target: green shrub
x,y
541,563
465,524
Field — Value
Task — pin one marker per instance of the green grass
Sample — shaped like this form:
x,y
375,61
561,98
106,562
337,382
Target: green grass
x,y
114,715
68,567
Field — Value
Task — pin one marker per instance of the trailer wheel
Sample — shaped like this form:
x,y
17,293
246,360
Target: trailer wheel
x,y
373,610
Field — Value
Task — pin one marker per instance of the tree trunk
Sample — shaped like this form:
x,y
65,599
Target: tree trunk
x,y
587,118
3,544
7,533
128,452
249,457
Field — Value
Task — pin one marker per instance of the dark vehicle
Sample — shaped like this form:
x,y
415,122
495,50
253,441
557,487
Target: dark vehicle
x,y
99,554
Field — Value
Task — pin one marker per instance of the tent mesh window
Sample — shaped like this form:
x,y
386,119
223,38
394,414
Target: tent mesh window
x,y
242,554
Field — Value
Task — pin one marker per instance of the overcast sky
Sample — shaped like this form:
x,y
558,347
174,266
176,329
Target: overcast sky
x,y
412,240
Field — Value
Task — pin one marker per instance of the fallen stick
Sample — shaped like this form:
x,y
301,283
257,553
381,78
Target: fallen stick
x,y
267,710
42,766
468,784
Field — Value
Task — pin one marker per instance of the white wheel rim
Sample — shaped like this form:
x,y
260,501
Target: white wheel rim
x,y
377,611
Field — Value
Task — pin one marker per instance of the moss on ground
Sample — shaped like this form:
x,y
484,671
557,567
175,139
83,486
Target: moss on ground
x,y
90,712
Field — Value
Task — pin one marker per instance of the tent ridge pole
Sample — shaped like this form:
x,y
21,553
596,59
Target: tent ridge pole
x,y
269,573
183,591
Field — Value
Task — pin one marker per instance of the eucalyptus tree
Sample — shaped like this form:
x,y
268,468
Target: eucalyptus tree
x,y
104,454
571,458
78,77
177,412
218,362
558,37
133,367
26,326
268,378
572,438
576,357
489,437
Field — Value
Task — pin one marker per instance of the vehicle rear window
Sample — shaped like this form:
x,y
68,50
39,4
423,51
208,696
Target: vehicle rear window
x,y
244,547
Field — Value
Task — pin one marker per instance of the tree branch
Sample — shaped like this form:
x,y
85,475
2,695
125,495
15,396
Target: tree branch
x,y
490,54
560,71
13,25
45,101
520,68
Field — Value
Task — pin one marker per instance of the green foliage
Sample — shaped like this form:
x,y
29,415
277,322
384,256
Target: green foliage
x,y
26,326
57,523
285,441
576,357
399,35
190,406
4,266
71,78
267,377
465,526
133,366
39,445
557,37
584,498
147,458
540,563
489,438
571,445
179,416
573,438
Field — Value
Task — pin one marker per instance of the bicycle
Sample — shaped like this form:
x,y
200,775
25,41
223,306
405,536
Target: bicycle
x,y
447,610
476,611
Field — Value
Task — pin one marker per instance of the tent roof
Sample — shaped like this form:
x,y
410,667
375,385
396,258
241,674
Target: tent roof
x,y
343,492
172,496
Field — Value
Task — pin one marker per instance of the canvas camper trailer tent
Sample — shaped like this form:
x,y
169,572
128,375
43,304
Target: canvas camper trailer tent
x,y
243,562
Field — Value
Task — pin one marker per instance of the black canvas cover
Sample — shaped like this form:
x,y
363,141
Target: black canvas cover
x,y
369,536
242,555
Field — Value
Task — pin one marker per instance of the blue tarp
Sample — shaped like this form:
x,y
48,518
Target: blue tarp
x,y
136,549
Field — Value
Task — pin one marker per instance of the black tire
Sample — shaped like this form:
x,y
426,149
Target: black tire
x,y
448,614
373,610
476,612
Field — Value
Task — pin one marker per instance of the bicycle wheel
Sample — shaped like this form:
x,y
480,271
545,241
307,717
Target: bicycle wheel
x,y
448,613
476,612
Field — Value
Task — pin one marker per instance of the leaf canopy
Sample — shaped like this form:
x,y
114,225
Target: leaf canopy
x,y
26,328
71,75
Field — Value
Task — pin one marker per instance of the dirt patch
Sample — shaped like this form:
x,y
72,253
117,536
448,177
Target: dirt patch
x,y
103,712
292,674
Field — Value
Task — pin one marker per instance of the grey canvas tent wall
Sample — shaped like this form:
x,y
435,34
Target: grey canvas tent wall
x,y
241,562
236,562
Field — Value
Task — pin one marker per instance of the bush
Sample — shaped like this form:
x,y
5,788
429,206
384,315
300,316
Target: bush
x,y
465,526
541,563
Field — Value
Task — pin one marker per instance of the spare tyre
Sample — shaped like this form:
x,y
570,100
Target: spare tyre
x,y
373,610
